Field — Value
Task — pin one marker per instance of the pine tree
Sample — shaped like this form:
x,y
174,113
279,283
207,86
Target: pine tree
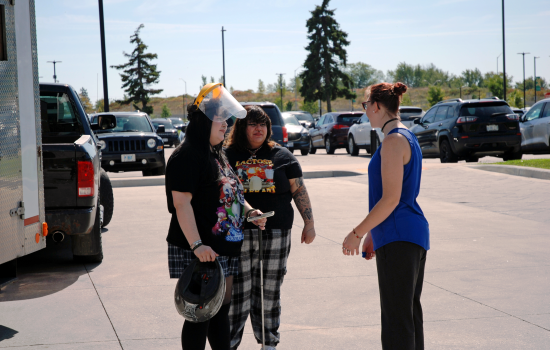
x,y
85,100
322,78
138,74
165,113
204,80
261,87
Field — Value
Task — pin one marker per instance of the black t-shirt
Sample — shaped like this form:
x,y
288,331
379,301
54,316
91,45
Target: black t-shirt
x,y
266,182
218,204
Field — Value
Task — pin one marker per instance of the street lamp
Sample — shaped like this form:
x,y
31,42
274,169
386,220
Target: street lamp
x,y
103,57
535,77
503,55
54,75
296,89
223,55
281,87
524,53
184,98
497,62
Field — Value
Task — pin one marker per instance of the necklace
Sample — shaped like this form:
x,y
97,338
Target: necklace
x,y
386,123
253,152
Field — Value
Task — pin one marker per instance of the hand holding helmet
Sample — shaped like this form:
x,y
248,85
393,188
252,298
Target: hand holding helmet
x,y
205,253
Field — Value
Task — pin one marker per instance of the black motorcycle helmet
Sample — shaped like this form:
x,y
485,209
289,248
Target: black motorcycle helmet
x,y
200,291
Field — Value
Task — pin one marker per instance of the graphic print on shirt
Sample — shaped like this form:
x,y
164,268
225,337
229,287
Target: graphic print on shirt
x,y
256,175
230,213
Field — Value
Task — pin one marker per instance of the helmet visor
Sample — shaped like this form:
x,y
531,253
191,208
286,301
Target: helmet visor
x,y
218,105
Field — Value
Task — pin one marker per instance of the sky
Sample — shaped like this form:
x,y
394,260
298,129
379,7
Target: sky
x,y
264,38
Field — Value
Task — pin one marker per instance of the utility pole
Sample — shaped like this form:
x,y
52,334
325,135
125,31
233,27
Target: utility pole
x,y
524,101
281,87
103,58
184,99
296,89
223,55
54,74
497,62
535,78
503,54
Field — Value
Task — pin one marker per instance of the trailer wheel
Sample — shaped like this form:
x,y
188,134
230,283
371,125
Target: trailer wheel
x,y
89,243
107,197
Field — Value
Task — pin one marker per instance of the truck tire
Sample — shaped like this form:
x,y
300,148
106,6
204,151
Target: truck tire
x,y
89,243
107,197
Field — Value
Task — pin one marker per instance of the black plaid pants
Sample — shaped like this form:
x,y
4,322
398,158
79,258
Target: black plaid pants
x,y
245,298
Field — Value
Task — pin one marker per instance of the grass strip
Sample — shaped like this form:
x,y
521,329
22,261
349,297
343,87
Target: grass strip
x,y
534,163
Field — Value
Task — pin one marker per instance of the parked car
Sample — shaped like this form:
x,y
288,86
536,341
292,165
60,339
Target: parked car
x,y
279,131
518,111
169,135
305,118
77,193
409,114
331,131
298,135
177,123
535,128
454,130
132,146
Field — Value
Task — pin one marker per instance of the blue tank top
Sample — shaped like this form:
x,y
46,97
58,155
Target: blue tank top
x,y
407,222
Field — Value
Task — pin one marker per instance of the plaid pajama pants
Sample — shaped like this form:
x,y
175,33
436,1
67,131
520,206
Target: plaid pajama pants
x,y
246,298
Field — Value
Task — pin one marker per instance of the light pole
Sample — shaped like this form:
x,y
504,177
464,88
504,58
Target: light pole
x,y
535,78
54,75
223,55
296,89
503,55
184,98
524,53
281,87
497,62
103,58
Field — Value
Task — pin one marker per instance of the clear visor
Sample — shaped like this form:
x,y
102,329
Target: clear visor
x,y
219,105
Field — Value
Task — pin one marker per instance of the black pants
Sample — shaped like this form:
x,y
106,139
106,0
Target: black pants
x,y
400,268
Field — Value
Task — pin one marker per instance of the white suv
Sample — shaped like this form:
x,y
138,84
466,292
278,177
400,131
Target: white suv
x,y
359,133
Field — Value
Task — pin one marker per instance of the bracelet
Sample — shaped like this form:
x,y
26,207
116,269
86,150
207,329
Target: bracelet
x,y
195,243
356,235
248,212
196,246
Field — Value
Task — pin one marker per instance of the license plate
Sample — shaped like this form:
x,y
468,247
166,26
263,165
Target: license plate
x,y
492,127
290,144
128,158
165,140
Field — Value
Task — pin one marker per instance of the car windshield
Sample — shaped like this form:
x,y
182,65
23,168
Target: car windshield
x,y
128,123
176,121
291,120
306,117
410,113
484,110
167,124
348,118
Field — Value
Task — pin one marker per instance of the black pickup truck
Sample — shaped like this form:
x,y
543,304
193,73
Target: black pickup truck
x,y
77,192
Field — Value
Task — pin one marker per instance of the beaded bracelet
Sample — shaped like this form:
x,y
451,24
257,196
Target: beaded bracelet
x,y
355,233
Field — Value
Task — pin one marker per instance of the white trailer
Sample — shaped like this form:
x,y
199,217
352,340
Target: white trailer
x,y
22,218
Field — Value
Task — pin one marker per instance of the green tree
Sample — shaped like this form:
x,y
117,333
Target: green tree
x,y
515,99
138,74
310,106
212,80
261,87
322,77
363,75
406,101
472,77
493,82
204,80
165,113
435,95
529,84
85,100
99,106
289,105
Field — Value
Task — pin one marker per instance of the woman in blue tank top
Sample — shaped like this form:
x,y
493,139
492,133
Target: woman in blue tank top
x,y
397,233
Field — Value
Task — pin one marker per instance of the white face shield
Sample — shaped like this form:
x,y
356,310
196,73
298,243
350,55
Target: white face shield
x,y
218,104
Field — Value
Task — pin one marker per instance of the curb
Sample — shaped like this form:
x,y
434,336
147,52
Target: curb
x,y
524,171
159,180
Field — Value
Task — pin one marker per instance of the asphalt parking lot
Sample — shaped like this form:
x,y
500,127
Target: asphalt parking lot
x,y
486,283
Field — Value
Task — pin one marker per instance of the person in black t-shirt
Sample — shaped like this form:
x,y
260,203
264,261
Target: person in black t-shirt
x,y
271,177
206,200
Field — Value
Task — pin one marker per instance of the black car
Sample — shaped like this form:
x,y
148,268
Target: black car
x,y
331,131
298,135
170,135
132,145
279,131
178,123
454,130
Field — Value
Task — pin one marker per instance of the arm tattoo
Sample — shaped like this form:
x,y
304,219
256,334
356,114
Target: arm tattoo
x,y
301,199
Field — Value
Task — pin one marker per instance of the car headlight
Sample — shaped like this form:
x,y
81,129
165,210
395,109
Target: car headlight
x,y
151,143
102,144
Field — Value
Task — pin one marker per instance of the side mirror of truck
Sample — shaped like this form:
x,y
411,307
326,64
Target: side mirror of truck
x,y
161,128
417,121
104,122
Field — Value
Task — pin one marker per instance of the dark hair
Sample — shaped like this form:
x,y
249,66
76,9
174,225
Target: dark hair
x,y
237,137
388,95
197,136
